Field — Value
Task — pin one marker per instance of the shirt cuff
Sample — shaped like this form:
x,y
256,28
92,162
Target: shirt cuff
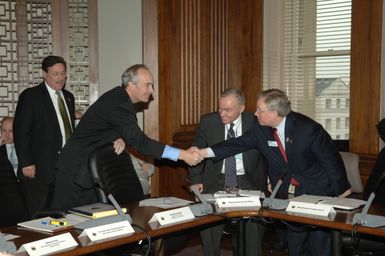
x,y
210,153
171,153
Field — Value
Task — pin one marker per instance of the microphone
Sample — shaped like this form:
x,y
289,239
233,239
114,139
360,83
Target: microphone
x,y
368,220
275,203
202,209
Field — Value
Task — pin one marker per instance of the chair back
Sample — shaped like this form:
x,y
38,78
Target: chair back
x,y
351,162
115,174
13,207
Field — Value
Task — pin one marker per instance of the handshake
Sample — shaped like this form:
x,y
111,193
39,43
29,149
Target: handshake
x,y
193,155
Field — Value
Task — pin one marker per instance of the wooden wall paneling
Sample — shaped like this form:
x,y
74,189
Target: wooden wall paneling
x,y
365,76
60,28
198,55
150,58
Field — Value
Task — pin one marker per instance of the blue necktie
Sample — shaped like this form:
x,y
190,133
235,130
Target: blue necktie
x,y
13,158
230,165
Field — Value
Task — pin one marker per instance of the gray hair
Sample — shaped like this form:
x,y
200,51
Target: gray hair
x,y
276,100
236,92
131,74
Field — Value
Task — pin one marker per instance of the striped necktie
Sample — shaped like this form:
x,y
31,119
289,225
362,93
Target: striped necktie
x,y
230,165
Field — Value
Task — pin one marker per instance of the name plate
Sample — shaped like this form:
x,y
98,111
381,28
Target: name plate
x,y
49,245
238,202
172,216
310,208
108,231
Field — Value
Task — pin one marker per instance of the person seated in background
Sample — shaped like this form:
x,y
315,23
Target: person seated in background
x,y
8,157
143,169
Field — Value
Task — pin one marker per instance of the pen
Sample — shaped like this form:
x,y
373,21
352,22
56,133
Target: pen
x,y
59,223
44,223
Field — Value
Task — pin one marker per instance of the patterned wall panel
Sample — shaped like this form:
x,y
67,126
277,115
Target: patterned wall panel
x,y
78,52
26,38
8,65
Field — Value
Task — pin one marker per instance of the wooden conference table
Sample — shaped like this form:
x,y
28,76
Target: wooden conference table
x,y
140,216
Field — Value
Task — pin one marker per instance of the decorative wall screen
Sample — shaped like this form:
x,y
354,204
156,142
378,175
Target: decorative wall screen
x,y
27,29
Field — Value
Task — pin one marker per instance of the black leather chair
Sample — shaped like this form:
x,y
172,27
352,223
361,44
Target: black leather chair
x,y
13,207
115,174
366,244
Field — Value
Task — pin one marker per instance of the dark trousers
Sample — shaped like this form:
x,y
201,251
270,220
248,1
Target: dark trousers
x,y
38,196
303,241
212,237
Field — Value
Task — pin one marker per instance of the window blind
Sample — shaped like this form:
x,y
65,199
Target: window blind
x,y
307,54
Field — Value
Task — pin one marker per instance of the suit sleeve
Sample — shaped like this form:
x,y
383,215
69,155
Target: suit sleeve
x,y
123,118
237,145
331,161
200,140
22,129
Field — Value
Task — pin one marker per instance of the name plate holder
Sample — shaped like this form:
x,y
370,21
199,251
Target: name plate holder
x,y
170,217
310,208
237,203
105,232
49,245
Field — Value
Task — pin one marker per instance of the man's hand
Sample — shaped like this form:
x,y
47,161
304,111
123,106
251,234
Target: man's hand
x,y
29,171
199,187
346,193
119,146
191,156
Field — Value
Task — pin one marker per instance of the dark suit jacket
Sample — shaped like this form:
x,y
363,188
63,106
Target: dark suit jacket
x,y
211,130
312,158
36,130
5,164
111,117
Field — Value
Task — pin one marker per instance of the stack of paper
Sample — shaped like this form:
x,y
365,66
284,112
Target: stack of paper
x,y
165,202
48,224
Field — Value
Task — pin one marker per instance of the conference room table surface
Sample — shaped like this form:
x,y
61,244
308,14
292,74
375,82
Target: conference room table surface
x,y
342,220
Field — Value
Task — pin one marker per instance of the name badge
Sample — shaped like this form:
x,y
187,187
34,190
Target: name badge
x,y
49,245
272,143
106,232
173,216
310,208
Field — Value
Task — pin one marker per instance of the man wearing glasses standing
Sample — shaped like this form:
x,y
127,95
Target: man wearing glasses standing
x,y
298,151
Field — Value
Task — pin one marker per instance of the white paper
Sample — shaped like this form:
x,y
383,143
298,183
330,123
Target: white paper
x,y
105,232
165,202
49,245
309,208
238,202
173,216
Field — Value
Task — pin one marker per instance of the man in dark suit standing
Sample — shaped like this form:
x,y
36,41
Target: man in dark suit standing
x,y
8,157
210,176
301,153
44,120
112,116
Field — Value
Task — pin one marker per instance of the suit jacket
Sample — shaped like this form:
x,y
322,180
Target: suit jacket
x,y
312,157
211,130
37,135
111,117
5,164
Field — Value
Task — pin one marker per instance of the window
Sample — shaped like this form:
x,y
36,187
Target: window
x,y
307,54
338,120
328,124
328,103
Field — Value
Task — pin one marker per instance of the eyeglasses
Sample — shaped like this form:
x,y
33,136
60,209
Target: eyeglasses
x,y
262,111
